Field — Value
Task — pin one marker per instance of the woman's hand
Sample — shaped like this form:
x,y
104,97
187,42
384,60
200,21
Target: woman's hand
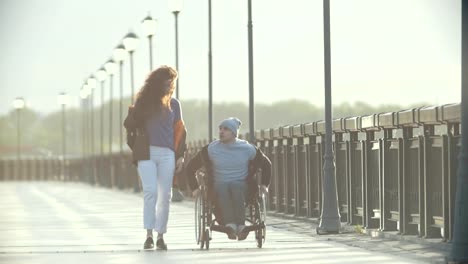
x,y
179,165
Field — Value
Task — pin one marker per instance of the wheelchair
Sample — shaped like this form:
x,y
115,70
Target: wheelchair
x,y
206,223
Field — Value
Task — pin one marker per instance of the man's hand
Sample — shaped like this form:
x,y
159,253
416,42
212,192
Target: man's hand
x,y
263,189
196,192
179,165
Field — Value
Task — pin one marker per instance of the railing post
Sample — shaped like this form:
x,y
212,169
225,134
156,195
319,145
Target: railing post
x,y
301,186
355,189
290,171
341,168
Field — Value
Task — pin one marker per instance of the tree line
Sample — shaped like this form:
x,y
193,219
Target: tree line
x,y
42,134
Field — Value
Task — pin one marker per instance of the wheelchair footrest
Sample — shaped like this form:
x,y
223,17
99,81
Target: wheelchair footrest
x,y
219,228
254,227
223,229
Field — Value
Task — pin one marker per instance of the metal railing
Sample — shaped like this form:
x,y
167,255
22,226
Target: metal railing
x,y
395,171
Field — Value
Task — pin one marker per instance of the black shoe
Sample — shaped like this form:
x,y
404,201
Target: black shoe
x,y
242,234
177,195
149,243
160,244
231,233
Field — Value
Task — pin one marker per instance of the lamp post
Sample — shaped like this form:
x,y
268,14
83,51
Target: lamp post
x,y
176,6
119,55
84,93
251,82
210,77
111,69
63,101
83,96
18,104
149,29
330,217
91,85
130,43
101,75
459,252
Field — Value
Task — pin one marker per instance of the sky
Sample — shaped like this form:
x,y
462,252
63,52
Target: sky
x,y
383,51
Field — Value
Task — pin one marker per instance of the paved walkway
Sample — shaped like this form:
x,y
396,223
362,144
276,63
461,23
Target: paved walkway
x,y
75,223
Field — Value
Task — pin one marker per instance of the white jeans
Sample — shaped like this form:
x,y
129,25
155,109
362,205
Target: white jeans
x,y
156,177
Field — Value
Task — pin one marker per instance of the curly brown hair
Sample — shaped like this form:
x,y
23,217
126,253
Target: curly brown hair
x,y
157,90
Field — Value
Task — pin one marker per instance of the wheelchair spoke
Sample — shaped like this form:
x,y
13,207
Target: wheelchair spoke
x,y
197,219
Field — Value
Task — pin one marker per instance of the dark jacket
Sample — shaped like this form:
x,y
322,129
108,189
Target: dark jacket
x,y
134,123
202,160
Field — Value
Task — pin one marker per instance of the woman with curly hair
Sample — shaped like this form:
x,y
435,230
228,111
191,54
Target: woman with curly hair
x,y
156,121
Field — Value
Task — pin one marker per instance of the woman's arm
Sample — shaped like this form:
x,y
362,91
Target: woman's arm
x,y
180,132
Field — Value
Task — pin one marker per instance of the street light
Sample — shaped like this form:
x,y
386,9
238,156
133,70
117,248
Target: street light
x,y
101,75
176,6
18,104
330,215
120,54
251,76
63,100
92,82
90,86
111,69
84,93
130,42
458,253
149,29
210,77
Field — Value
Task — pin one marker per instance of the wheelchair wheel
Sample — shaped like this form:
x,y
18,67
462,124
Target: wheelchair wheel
x,y
258,221
207,239
203,219
260,217
198,216
200,219
206,220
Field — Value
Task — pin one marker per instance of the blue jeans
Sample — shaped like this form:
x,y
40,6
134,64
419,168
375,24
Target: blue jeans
x,y
231,199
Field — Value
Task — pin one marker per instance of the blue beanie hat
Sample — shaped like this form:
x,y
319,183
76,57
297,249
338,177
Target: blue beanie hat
x,y
232,124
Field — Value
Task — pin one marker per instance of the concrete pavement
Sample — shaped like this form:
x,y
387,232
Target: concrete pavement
x,y
51,222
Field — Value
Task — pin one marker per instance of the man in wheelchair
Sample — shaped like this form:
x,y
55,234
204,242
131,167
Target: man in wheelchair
x,y
230,165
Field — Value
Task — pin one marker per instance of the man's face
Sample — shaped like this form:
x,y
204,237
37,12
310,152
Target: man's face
x,y
225,134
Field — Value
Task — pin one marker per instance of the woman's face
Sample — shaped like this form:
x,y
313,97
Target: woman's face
x,y
167,86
